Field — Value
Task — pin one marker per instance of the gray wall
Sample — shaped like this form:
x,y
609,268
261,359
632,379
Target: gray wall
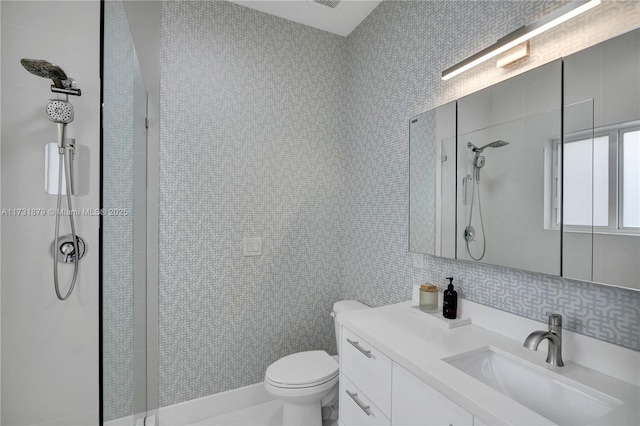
x,y
276,130
49,348
252,145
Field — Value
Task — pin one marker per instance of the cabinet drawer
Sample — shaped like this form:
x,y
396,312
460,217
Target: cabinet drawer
x,y
367,368
416,403
356,408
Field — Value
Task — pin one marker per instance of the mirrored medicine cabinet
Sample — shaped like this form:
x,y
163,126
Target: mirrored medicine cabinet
x,y
540,172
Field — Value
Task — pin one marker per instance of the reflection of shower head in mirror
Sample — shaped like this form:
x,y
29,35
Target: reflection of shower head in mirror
x,y
478,163
495,144
479,160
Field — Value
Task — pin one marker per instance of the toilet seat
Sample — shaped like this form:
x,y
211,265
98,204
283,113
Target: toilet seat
x,y
302,370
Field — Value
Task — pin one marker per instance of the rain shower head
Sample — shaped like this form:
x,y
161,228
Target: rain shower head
x,y
45,69
495,144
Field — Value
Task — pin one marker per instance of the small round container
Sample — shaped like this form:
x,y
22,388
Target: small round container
x,y
428,297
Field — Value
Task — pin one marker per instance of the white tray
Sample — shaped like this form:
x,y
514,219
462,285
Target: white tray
x,y
436,317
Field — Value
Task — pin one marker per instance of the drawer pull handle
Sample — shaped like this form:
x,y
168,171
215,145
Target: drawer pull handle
x,y
365,408
360,348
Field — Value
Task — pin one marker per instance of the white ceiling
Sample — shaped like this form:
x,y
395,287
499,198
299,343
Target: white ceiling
x,y
341,20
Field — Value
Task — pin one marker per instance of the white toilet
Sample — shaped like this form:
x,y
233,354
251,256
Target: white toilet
x,y
308,381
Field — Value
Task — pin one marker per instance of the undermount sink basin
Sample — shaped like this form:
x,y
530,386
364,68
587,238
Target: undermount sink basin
x,y
554,397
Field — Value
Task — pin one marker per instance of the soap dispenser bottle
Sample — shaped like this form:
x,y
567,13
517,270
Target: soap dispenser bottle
x,y
450,301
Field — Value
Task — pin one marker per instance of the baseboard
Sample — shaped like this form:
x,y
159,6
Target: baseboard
x,y
214,405
135,420
122,421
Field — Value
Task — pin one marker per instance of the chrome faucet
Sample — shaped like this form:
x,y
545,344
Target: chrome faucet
x,y
554,335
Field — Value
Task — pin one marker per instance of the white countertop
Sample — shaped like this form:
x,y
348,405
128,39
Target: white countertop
x,y
420,347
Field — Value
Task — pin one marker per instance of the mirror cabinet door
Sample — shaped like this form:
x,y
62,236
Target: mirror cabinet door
x,y
506,138
601,188
432,182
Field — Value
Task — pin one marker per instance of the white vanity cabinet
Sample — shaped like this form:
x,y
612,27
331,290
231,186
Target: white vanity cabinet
x,y
416,403
364,371
374,390
356,408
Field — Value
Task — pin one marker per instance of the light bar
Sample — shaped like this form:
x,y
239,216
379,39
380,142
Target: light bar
x,y
521,35
512,55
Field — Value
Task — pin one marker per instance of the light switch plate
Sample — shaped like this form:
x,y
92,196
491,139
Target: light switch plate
x,y
252,246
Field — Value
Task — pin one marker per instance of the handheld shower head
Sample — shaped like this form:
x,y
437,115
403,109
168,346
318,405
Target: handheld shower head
x,y
45,69
61,113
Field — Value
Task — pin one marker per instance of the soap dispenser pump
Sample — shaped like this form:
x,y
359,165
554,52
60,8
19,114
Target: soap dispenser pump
x,y
450,301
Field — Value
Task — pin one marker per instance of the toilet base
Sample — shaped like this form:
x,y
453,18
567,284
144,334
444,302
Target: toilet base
x,y
296,414
303,406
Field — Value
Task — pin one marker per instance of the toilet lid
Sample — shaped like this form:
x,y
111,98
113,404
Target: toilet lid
x,y
303,368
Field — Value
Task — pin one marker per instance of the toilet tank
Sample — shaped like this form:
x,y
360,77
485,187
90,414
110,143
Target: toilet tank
x,y
341,307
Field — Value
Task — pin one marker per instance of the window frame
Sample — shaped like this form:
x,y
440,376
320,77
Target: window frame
x,y
615,179
635,127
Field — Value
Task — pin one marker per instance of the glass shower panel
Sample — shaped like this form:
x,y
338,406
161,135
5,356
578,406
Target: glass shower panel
x,y
123,227
578,193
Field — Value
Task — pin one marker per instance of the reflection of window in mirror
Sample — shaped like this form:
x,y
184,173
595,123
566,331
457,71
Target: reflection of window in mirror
x,y
601,180
630,179
579,179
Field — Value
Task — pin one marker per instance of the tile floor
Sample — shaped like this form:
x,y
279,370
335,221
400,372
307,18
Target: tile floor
x,y
265,414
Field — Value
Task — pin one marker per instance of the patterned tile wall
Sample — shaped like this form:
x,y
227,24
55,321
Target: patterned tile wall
x,y
273,129
252,144
117,231
395,60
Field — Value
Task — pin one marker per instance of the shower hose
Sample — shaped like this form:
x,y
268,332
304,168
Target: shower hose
x,y
63,163
476,181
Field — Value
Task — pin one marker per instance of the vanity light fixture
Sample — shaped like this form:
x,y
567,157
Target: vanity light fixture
x,y
512,55
521,35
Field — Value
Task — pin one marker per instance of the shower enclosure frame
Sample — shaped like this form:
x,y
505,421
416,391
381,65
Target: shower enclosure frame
x,y
125,32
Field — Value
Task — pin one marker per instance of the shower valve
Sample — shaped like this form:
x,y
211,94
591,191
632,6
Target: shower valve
x,y
67,251
469,233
